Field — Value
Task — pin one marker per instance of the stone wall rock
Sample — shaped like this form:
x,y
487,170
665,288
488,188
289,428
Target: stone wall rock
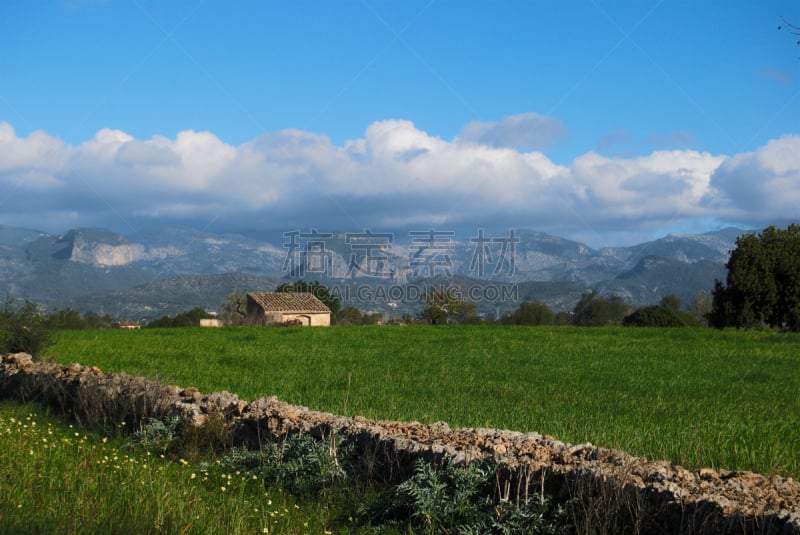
x,y
610,484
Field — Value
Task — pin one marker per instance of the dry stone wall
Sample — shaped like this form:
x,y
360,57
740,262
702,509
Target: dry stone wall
x,y
609,484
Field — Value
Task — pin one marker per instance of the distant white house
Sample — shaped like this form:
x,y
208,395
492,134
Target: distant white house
x,y
282,308
210,322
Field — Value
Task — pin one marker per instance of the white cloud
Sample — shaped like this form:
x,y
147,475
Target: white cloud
x,y
32,162
395,175
761,186
526,131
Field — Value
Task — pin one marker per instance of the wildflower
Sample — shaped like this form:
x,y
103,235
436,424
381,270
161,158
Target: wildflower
x,y
222,489
192,476
105,439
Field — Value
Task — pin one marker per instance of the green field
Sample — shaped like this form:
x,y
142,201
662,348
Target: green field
x,y
61,479
697,397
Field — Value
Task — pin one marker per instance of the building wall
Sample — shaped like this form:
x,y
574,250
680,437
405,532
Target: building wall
x,y
318,319
258,316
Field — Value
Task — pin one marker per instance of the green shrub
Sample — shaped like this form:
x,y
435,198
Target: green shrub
x,y
656,316
190,318
594,310
455,499
301,464
530,313
157,435
24,329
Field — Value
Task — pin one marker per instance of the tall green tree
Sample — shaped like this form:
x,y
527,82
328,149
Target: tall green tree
x,y
594,310
530,313
763,282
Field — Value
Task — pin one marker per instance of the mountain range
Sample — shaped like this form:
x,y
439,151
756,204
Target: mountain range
x,y
169,270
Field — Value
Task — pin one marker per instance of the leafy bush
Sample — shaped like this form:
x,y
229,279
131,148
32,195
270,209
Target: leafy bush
x,y
157,434
24,329
301,464
190,318
532,313
594,311
656,316
464,500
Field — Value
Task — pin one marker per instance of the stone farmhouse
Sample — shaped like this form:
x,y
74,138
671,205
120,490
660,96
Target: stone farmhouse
x,y
280,308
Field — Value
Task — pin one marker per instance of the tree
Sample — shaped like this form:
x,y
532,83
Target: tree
x,y
594,310
319,290
530,313
190,318
671,302
353,316
659,316
24,329
701,307
445,308
233,310
67,319
763,282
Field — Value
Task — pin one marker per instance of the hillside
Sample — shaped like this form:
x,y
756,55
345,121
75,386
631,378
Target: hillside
x,y
164,271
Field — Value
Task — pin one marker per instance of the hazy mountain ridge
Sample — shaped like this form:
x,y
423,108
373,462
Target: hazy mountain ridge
x,y
158,270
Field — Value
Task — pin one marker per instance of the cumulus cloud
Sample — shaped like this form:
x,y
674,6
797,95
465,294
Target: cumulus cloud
x,y
396,175
661,187
526,131
761,186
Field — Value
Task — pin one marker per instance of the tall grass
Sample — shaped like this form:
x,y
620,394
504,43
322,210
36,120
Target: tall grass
x,y
60,479
722,399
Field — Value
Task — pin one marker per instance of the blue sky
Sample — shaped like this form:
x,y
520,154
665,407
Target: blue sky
x,y
607,122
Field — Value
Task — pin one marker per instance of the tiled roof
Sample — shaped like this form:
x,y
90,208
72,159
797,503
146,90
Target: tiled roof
x,y
288,302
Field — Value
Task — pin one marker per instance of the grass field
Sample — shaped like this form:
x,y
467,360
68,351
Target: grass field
x,y
60,479
722,399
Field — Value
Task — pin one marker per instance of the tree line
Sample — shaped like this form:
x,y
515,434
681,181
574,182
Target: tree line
x,y
761,290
